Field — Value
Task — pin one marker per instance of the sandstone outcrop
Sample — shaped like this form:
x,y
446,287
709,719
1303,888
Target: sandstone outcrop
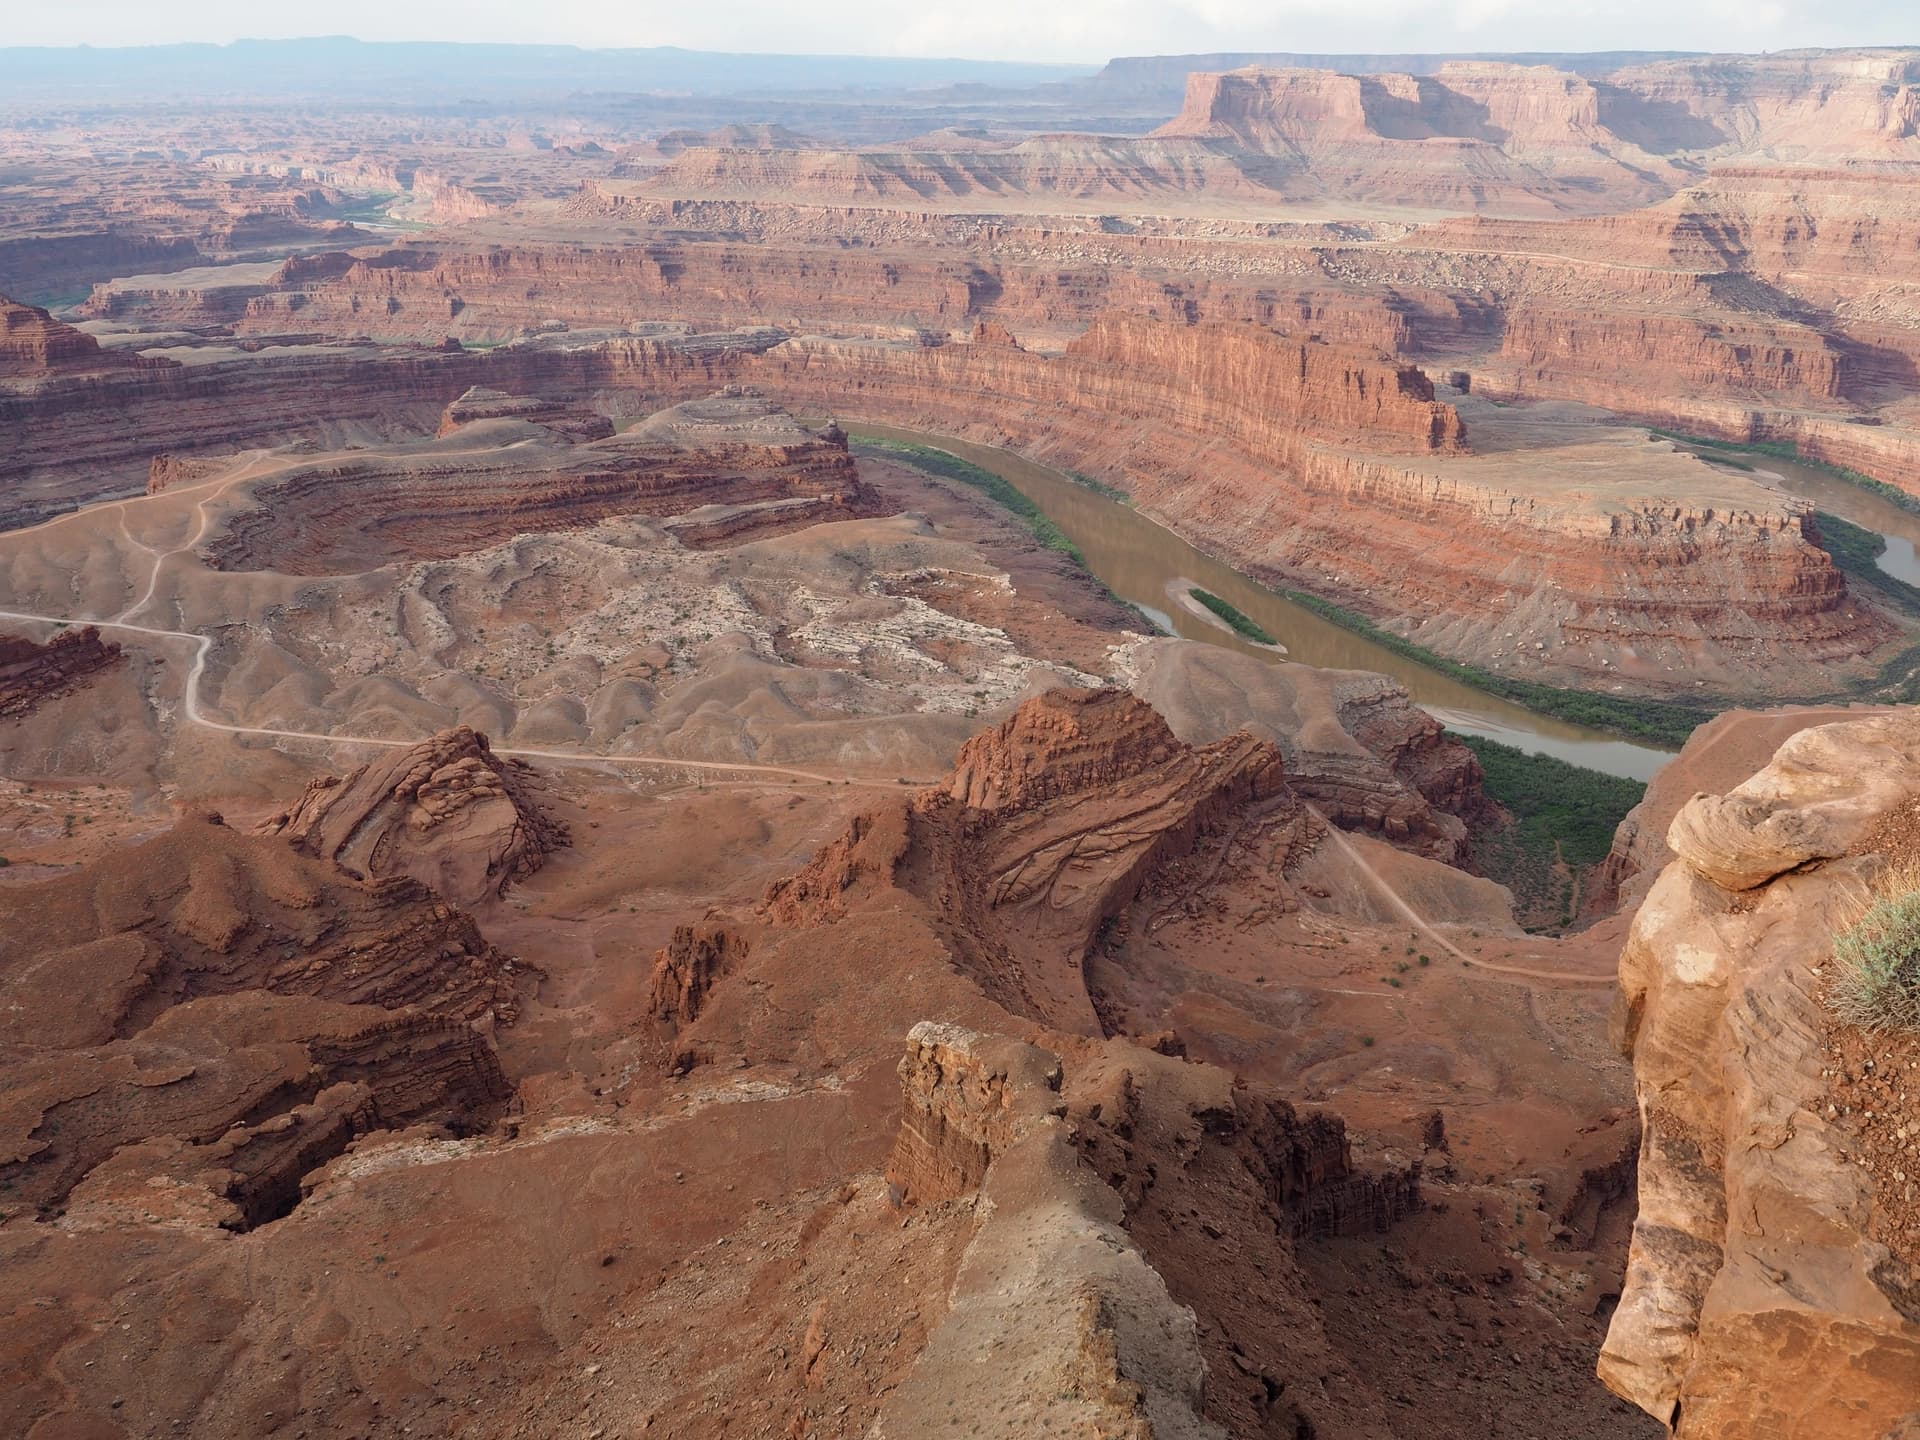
x,y
167,471
967,1099
1472,136
237,1098
447,812
687,967
1101,1311
250,1012
1353,743
1724,752
31,672
490,478
1049,828
480,403
34,345
1762,1295
1050,1271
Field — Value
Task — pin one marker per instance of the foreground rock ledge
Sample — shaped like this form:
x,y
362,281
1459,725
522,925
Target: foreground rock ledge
x,y
1757,1302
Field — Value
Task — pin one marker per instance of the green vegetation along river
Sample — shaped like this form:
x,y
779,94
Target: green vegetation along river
x,y
1149,566
1831,492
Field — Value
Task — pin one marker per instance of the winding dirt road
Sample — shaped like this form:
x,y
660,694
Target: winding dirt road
x,y
203,644
259,465
1420,922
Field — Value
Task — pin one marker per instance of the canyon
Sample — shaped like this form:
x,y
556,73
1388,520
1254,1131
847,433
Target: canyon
x,y
670,762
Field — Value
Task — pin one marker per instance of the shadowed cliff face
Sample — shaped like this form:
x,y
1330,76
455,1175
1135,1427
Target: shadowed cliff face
x,y
33,673
1771,1287
1050,828
250,1013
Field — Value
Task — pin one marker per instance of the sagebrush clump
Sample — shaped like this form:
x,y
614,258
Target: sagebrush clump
x,y
1876,983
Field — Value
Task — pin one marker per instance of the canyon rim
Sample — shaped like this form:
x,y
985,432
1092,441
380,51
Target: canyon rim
x,y
746,745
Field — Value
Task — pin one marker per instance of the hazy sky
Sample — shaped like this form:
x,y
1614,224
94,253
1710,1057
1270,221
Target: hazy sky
x,y
1073,30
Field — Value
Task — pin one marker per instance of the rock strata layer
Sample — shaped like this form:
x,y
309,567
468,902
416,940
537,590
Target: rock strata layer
x,y
32,673
251,1012
1758,1299
447,812
1049,828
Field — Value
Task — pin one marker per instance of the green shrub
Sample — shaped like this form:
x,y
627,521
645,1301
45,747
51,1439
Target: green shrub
x,y
1857,552
1663,722
1876,983
1100,487
952,467
1555,803
1237,619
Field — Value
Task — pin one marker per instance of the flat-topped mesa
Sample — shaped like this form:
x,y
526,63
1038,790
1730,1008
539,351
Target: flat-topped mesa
x,y
421,292
448,812
33,345
1793,104
1282,110
1270,108
1472,136
1635,363
715,472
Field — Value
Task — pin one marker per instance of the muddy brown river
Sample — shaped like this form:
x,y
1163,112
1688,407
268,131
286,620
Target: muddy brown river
x,y
1148,565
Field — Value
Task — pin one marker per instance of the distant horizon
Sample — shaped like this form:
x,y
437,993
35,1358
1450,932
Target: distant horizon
x,y
240,40
1072,33
954,59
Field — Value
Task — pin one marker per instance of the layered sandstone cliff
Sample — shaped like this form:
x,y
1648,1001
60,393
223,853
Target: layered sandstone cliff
x,y
1572,558
447,812
34,345
31,673
250,1013
1771,1287
480,403
1473,136
1274,451
1051,826
730,465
